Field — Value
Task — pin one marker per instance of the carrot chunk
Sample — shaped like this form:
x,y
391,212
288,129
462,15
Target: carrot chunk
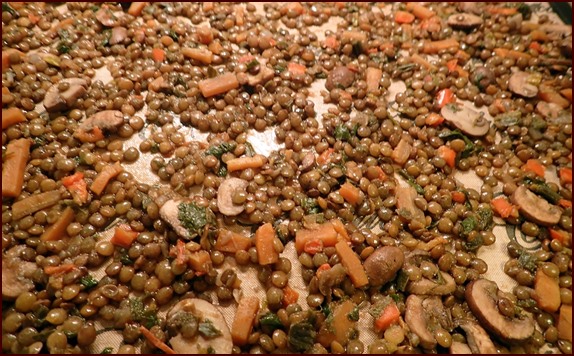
x,y
13,167
352,264
244,320
265,244
12,116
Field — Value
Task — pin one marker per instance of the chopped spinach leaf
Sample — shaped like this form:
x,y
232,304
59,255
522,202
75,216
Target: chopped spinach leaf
x,y
354,314
412,182
139,313
207,329
269,322
301,336
540,187
468,225
342,132
107,351
527,261
252,64
194,218
310,206
485,218
525,10
219,150
9,9
88,281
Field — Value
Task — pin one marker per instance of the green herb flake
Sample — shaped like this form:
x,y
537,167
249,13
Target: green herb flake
x,y
107,351
207,329
9,9
270,322
343,133
219,150
139,313
252,64
412,182
310,206
354,314
63,47
88,281
194,218
211,350
527,261
301,336
468,225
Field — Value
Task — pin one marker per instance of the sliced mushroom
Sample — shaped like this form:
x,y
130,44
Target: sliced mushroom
x,y
535,208
459,348
308,161
482,77
446,285
407,209
548,110
467,120
331,278
108,17
520,83
119,34
470,7
104,120
263,75
464,21
383,264
16,273
202,311
478,339
225,196
169,213
339,77
56,100
482,297
425,316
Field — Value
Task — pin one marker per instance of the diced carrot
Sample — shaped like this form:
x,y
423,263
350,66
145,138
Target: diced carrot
x,y
265,244
546,292
534,165
565,203
34,203
325,156
322,268
182,255
503,207
340,326
550,96
434,119
416,58
158,54
404,17
58,230
229,241
313,246
373,77
155,341
420,11
458,197
218,85
295,7
402,152
324,232
559,235
14,166
202,55
136,8
296,68
102,179
564,324
451,65
290,296
6,58
215,47
567,93
462,56
352,264
340,228
388,317
94,135
246,58
353,36
204,34
434,47
538,35
77,186
200,261
241,163
448,154
208,6
506,53
331,42
497,10
350,193
12,116
445,96
65,268
535,46
565,175
124,236
244,319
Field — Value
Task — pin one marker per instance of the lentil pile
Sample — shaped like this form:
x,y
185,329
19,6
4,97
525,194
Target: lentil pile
x,y
368,192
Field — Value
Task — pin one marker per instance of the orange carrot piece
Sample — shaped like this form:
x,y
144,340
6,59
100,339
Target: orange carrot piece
x,y
448,154
445,96
200,261
373,77
265,244
565,203
294,7
102,179
6,63
451,65
506,11
506,53
350,193
229,241
313,246
534,165
550,96
124,236
503,207
158,54
290,296
567,93
34,203
388,317
58,230
77,186
322,268
218,85
296,68
155,341
244,319
559,235
65,268
324,232
202,55
13,167
420,11
94,135
325,156
241,163
565,175
136,8
239,15
404,17
340,228
416,58
434,47
12,116
331,42
434,119
352,264
458,197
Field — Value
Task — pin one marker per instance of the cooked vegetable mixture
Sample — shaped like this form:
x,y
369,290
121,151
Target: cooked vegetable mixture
x,y
138,194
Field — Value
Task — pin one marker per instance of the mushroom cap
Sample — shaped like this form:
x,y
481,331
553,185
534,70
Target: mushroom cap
x,y
201,310
15,273
169,212
225,196
535,208
425,286
464,21
383,264
519,84
56,100
415,319
482,297
467,120
106,119
478,339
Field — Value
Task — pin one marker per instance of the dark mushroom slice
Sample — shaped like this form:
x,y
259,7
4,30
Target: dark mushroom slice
x,y
119,34
470,7
459,348
523,84
16,273
383,264
216,340
482,297
169,212
225,193
307,162
535,208
108,17
482,77
548,110
406,207
425,316
331,278
467,120
104,120
56,100
261,75
478,339
442,285
464,21
339,77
